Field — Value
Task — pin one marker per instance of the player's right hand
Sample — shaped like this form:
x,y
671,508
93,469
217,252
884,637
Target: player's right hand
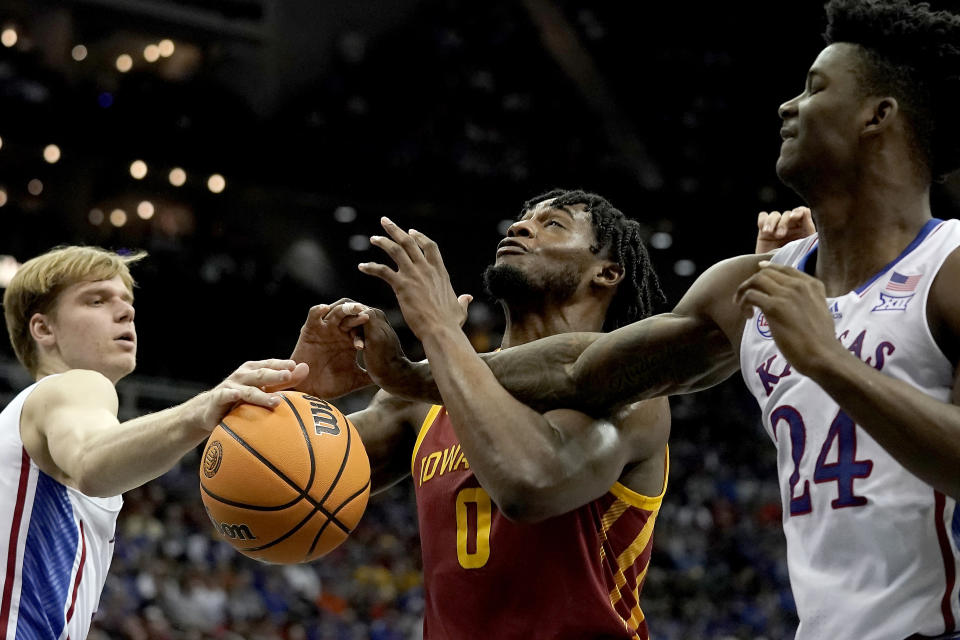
x,y
775,229
255,382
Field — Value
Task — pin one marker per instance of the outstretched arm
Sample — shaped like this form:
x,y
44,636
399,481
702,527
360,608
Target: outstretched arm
x,y
691,348
70,428
679,352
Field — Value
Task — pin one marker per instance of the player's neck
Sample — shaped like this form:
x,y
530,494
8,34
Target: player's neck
x,y
864,228
527,325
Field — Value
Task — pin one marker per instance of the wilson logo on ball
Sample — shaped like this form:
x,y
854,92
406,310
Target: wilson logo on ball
x,y
324,416
234,531
212,458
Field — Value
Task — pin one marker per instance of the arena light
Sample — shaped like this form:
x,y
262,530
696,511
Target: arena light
x,y
8,37
166,47
124,62
145,210
684,268
51,153
151,53
95,216
8,267
177,177
661,240
359,242
345,214
118,217
1,143
79,53
138,169
3,196
35,187
216,183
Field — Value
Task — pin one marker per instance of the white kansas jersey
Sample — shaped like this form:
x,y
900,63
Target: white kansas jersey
x,y
55,544
872,550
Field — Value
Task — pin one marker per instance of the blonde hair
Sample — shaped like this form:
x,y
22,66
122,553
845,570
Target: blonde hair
x,y
36,285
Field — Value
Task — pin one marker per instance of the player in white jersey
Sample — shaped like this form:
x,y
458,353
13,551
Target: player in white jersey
x,y
851,341
64,457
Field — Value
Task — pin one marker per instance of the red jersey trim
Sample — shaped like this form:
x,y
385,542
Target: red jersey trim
x,y
641,501
424,428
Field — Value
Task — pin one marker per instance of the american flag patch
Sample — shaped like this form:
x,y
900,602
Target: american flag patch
x,y
902,283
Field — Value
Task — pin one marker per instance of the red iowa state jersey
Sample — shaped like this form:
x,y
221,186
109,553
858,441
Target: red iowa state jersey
x,y
576,576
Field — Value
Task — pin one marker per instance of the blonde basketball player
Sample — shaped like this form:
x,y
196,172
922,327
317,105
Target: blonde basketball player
x,y
64,456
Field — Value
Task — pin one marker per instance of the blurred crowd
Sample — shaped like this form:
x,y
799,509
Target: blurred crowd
x,y
446,120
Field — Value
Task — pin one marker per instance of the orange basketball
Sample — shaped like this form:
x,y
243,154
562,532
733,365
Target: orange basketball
x,y
285,485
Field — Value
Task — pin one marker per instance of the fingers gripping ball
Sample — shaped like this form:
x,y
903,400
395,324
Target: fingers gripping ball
x,y
286,485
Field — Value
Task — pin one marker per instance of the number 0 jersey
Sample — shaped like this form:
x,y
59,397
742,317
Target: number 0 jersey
x,y
872,550
576,576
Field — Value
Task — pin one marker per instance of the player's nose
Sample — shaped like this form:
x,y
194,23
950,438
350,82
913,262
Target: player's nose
x,y
125,311
522,228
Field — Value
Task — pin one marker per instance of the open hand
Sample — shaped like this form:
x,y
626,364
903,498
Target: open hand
x,y
421,282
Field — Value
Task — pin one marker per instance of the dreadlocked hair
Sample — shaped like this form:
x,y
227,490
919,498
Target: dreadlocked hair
x,y
638,294
912,53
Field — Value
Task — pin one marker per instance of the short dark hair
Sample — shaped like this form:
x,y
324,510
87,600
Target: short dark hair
x,y
912,53
638,294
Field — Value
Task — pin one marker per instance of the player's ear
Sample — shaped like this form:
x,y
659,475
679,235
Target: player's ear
x,y
881,113
608,274
40,329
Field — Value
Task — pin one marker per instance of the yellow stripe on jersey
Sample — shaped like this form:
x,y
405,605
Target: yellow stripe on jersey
x,y
427,423
631,553
628,557
641,501
615,510
636,614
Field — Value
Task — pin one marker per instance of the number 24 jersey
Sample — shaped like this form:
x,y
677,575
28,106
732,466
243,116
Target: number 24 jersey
x,y
872,550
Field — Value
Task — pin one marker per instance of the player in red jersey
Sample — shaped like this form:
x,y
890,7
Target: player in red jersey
x,y
533,525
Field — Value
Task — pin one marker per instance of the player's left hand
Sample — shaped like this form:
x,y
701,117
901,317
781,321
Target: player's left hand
x,y
421,282
795,306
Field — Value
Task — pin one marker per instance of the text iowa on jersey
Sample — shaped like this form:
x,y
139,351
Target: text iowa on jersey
x,y
442,461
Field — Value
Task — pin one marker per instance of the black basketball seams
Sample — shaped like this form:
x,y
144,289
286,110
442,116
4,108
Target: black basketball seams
x,y
343,464
306,437
249,507
350,499
303,494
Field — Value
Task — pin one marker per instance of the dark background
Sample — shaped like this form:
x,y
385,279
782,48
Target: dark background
x,y
444,115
